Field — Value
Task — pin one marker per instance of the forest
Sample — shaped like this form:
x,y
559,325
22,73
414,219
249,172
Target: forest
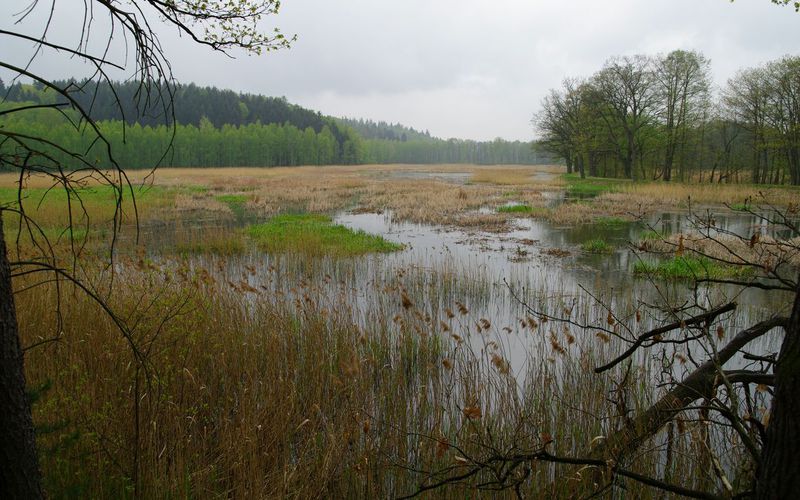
x,y
659,117
207,127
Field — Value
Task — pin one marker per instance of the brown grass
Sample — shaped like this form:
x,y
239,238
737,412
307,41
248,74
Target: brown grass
x,y
764,251
518,176
250,393
263,383
675,194
365,188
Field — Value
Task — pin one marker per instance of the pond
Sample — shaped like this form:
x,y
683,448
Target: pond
x,y
476,286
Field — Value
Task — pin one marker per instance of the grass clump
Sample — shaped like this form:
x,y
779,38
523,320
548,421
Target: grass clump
x,y
514,209
522,209
314,234
236,202
589,187
682,267
597,245
740,207
610,221
651,235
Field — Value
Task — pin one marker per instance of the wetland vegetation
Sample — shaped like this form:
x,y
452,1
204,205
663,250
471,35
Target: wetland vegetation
x,y
319,331
363,326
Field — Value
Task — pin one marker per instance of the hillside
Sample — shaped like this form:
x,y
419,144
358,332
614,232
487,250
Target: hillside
x,y
216,127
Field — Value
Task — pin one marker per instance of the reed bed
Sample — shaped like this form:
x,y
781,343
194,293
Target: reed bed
x,y
262,375
764,251
245,391
680,194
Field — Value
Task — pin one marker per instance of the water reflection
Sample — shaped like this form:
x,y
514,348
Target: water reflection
x,y
537,263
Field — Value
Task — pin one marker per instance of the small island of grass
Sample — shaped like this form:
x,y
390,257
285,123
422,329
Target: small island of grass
x,y
678,268
315,234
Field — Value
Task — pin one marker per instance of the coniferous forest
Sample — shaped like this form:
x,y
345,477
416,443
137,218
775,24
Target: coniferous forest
x,y
208,127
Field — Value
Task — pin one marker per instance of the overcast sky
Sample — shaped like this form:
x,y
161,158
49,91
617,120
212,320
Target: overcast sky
x,y
458,68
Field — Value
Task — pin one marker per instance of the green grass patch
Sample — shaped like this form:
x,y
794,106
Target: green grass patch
x,y
591,186
740,207
651,236
522,209
597,245
610,221
678,268
314,234
236,202
515,209
95,196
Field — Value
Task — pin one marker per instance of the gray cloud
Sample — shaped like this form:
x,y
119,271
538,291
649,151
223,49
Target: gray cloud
x,y
467,68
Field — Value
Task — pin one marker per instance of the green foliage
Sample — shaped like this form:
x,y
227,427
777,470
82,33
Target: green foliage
x,y
220,128
685,267
669,135
787,2
314,234
597,245
434,150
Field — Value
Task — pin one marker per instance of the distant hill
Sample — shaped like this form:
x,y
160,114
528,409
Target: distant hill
x,y
369,129
190,103
258,130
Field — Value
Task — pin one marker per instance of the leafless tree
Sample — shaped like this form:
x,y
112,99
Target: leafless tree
x,y
725,399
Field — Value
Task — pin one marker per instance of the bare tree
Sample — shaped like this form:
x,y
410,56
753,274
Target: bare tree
x,y
724,399
783,113
220,25
558,122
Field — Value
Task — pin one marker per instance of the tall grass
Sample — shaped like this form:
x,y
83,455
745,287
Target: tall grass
x,y
290,374
248,393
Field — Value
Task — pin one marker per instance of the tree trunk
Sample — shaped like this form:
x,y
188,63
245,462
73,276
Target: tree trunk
x,y
779,474
593,164
630,156
19,465
668,164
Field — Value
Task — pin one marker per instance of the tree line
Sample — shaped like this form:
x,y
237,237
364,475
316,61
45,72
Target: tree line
x,y
207,127
657,117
